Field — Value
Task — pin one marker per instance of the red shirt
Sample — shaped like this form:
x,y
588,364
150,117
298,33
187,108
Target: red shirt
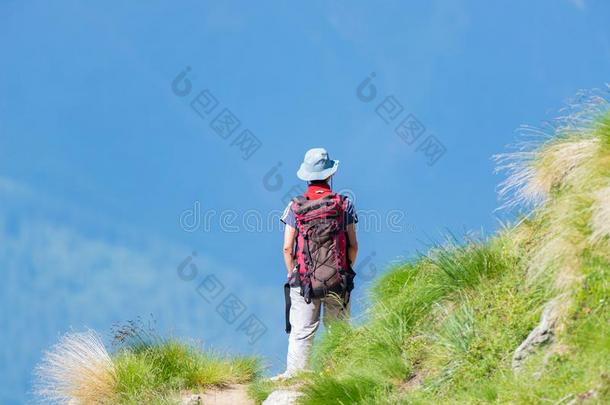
x,y
317,190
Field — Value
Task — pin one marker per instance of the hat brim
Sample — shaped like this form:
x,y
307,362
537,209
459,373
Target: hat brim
x,y
306,175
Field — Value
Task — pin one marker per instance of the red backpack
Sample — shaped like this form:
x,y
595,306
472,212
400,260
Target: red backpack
x,y
321,249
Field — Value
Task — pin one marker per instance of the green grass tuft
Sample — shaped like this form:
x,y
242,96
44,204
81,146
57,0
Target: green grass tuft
x,y
165,368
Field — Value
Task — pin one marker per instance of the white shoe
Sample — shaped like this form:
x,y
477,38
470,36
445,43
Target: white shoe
x,y
281,377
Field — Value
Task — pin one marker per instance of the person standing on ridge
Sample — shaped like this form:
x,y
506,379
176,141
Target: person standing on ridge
x,y
320,248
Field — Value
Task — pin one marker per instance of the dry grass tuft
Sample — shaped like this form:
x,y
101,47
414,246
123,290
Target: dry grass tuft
x,y
534,174
556,171
77,370
560,257
600,216
550,156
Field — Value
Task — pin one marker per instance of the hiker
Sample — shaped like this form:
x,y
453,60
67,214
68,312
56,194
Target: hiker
x,y
320,247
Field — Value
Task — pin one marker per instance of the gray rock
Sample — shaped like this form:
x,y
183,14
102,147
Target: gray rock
x,y
584,398
543,333
282,397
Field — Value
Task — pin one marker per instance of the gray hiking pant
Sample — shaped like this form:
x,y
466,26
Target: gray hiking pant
x,y
305,320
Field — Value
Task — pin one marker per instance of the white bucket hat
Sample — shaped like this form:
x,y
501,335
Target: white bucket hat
x,y
317,165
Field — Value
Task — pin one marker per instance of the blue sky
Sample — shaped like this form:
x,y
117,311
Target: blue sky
x,y
99,158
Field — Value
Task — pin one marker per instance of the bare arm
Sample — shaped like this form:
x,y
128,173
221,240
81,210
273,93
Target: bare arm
x,y
352,251
289,236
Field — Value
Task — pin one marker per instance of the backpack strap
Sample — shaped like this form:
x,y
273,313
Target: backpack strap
x,y
288,304
342,200
299,199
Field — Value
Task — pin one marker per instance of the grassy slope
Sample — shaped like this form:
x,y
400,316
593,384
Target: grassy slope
x,y
443,328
